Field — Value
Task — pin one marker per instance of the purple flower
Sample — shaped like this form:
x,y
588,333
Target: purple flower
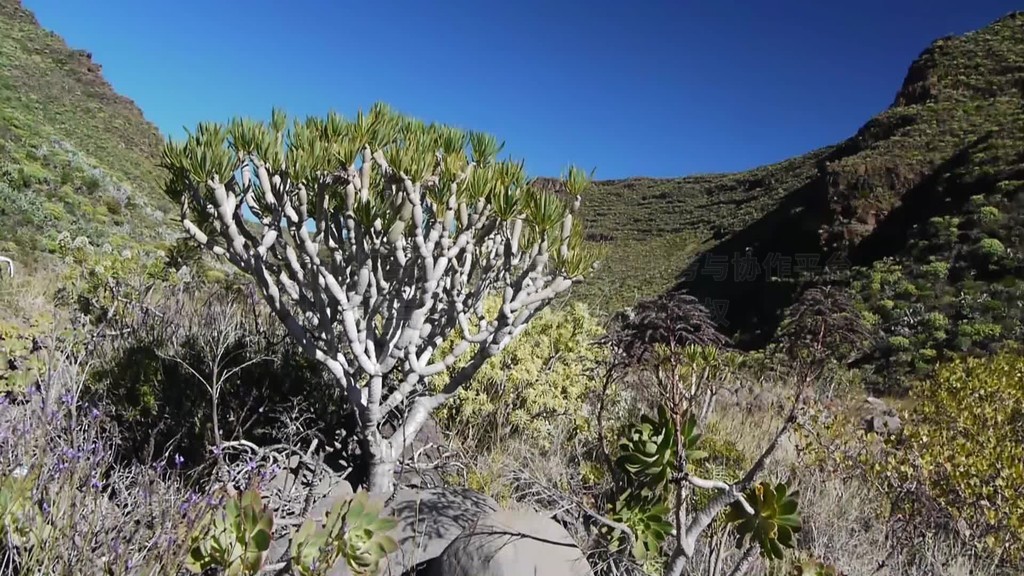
x,y
67,398
178,460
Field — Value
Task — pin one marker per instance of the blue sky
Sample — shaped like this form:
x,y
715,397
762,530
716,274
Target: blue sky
x,y
649,88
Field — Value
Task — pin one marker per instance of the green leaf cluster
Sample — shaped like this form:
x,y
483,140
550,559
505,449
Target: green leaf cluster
x,y
235,539
367,177
353,530
775,521
647,459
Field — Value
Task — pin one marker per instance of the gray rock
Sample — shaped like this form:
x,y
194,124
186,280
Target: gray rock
x,y
512,543
428,521
883,425
880,418
876,404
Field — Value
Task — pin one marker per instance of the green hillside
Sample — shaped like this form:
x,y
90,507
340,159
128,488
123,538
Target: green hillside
x,y
75,156
920,216
651,228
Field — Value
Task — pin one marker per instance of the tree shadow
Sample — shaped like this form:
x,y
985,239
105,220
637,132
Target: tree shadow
x,y
428,521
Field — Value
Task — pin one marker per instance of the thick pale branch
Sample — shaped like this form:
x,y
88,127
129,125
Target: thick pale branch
x,y
728,493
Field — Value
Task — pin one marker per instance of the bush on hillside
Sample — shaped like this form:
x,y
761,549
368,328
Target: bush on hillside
x,y
967,267
963,449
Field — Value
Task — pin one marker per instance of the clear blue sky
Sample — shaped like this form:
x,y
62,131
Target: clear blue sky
x,y
652,88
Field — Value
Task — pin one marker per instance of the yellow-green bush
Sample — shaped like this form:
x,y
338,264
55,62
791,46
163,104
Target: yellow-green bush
x,y
540,381
964,444
20,360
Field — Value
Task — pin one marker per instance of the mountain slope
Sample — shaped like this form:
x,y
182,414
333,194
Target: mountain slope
x,y
920,215
74,155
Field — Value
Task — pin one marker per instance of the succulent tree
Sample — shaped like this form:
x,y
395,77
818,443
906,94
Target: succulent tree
x,y
375,239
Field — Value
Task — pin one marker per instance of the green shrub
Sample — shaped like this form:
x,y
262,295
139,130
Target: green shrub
x,y
963,442
936,270
988,215
990,249
31,174
542,379
981,332
899,342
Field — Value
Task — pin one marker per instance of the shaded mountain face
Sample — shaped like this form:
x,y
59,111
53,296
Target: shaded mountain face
x,y
75,156
918,214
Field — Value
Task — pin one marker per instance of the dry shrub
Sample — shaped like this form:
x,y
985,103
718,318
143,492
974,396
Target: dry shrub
x,y
68,506
194,366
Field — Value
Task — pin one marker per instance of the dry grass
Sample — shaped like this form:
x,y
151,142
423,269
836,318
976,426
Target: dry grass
x,y
846,523
28,296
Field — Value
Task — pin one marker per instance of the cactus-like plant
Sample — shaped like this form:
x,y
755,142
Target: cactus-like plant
x,y
375,240
649,523
649,448
353,530
235,539
648,459
773,524
647,451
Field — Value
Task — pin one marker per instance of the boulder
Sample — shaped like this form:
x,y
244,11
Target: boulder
x,y
880,419
883,425
512,543
428,521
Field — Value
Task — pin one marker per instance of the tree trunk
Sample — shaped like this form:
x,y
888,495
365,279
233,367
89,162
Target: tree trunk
x,y
381,479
